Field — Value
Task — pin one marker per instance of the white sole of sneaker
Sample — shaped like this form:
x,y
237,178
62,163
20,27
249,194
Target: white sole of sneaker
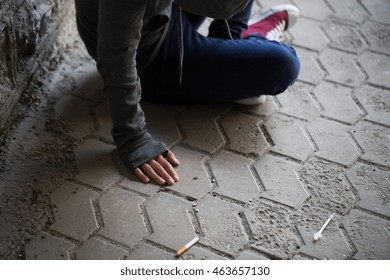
x,y
251,100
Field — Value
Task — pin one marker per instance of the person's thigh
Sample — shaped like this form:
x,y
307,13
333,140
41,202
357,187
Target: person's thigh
x,y
221,70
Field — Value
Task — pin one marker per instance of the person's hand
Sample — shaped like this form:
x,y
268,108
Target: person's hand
x,y
160,169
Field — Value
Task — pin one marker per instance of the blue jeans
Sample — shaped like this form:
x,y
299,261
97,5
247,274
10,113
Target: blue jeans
x,y
216,68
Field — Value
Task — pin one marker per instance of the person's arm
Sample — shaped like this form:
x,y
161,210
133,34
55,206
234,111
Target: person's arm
x,y
119,33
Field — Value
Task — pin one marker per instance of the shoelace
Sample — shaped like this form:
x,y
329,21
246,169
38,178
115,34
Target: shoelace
x,y
277,34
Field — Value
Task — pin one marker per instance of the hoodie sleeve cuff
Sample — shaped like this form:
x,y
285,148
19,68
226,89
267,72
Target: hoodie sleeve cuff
x,y
143,153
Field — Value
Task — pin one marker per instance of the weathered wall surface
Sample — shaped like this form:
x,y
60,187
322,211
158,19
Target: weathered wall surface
x,y
27,31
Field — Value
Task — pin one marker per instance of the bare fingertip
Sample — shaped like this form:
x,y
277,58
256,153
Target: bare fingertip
x,y
146,180
162,182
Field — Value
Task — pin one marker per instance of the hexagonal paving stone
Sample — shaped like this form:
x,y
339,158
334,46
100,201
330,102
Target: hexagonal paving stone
x,y
95,164
148,252
97,249
310,70
289,137
272,230
315,9
377,67
194,181
248,255
219,108
370,235
341,67
281,181
161,124
337,102
298,96
234,177
44,246
244,134
374,140
122,217
103,118
300,258
308,34
221,225
196,253
348,9
75,113
170,220
379,9
328,186
132,182
376,102
333,245
373,187
74,214
332,141
378,36
343,35
201,129
310,217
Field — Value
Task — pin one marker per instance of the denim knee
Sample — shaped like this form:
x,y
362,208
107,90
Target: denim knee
x,y
294,66
288,68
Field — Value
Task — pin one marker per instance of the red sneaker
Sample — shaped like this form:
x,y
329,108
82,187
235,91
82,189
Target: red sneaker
x,y
274,22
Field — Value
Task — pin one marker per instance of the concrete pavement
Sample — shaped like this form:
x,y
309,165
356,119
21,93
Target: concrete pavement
x,y
256,181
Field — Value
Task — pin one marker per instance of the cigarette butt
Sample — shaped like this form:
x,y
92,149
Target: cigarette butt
x,y
183,249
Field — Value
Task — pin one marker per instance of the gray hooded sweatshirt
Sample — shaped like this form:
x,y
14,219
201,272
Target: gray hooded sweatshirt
x,y
126,32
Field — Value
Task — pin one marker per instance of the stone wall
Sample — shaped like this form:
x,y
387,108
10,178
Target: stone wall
x,y
27,31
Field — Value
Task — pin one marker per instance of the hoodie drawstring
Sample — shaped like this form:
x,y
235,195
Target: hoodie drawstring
x,y
228,29
181,40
